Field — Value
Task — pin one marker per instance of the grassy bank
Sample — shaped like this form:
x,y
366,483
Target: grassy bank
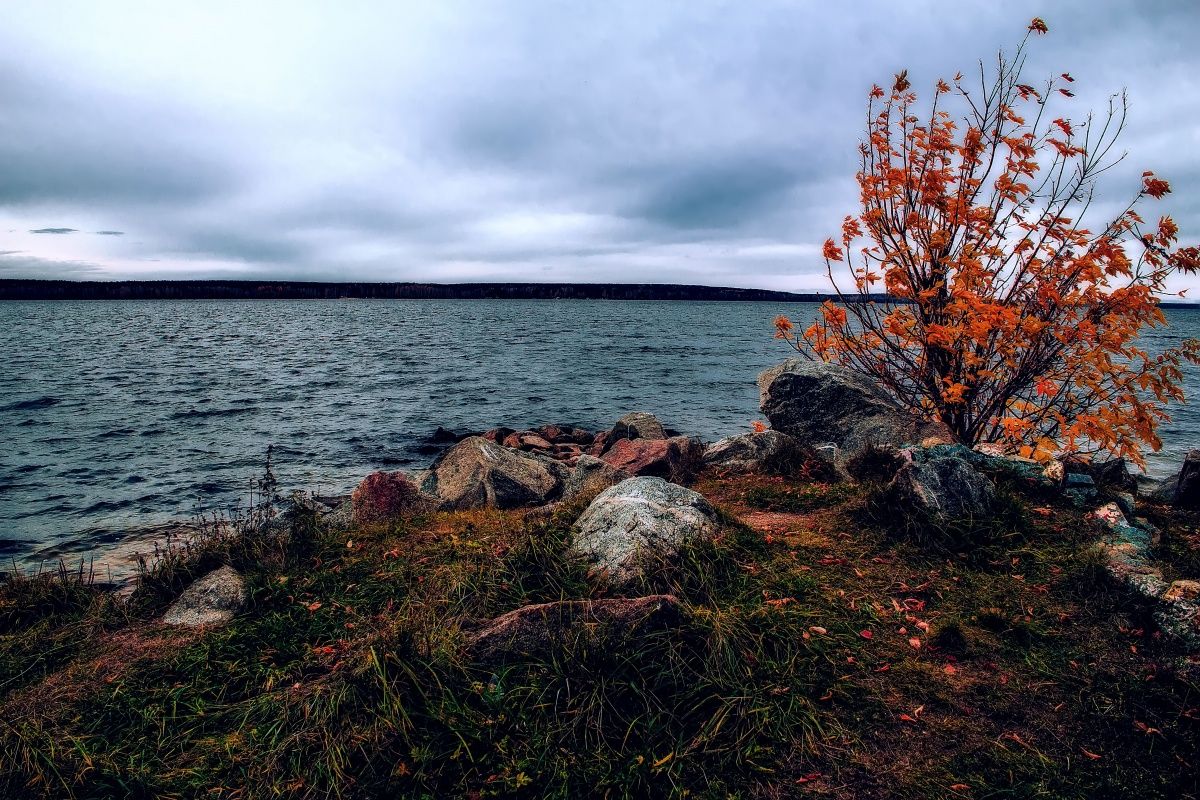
x,y
826,655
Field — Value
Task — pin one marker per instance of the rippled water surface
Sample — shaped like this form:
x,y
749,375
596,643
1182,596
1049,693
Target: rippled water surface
x,y
118,415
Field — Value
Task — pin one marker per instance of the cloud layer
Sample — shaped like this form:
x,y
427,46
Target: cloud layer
x,y
673,142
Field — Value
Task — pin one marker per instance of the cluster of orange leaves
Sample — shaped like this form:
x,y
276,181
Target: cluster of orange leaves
x,y
1004,316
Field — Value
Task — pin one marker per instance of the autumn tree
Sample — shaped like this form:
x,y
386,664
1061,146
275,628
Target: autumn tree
x,y
1008,314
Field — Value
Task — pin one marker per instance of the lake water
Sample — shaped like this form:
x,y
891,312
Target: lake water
x,y
119,415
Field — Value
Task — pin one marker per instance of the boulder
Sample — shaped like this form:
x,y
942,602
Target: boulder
x,y
384,496
546,629
677,459
212,600
641,521
944,487
590,477
478,473
636,425
822,403
769,453
1187,487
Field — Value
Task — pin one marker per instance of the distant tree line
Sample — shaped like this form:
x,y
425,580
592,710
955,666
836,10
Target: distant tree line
x,y
304,290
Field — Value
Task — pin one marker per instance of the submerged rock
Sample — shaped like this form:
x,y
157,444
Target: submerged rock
x,y
212,600
677,459
641,521
546,629
943,487
478,473
822,403
769,453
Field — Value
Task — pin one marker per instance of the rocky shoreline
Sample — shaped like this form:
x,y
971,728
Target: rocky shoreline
x,y
827,424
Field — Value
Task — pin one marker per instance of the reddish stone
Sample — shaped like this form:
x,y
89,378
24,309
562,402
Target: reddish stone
x,y
597,446
676,459
549,432
498,434
531,441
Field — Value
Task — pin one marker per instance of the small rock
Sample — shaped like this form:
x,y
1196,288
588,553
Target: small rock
x,y
548,629
943,487
1125,502
636,425
212,600
677,459
497,435
1126,552
641,521
770,453
383,496
1080,489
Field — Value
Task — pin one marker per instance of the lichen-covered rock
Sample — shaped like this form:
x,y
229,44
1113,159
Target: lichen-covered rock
x,y
478,473
1126,551
590,477
822,403
1025,471
639,522
548,629
945,487
212,600
677,459
769,453
635,425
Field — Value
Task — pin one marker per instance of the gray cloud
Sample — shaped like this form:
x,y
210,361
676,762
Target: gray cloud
x,y
707,142
54,230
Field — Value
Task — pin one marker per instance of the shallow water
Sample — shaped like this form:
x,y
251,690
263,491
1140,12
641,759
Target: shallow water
x,y
120,415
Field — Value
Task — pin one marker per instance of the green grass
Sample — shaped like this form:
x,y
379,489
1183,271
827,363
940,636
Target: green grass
x,y
794,675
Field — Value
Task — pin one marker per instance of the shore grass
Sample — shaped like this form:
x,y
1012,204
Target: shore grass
x,y
824,656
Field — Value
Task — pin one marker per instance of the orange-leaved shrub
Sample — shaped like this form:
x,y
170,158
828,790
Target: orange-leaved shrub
x,y
1007,311
383,496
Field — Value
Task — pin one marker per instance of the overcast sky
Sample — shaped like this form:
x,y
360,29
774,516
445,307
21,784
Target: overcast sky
x,y
688,142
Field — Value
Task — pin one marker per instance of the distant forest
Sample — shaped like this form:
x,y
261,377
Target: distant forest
x,y
302,290
19,289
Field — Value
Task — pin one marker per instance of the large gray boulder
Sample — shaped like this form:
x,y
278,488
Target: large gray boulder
x,y
212,600
640,522
822,403
768,453
547,630
944,487
478,473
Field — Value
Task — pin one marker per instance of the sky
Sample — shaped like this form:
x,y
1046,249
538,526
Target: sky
x,y
666,142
